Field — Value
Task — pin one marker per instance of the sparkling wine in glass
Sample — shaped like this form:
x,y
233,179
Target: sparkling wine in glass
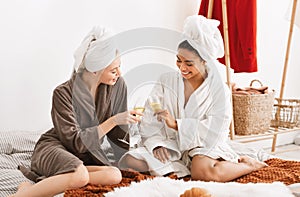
x,y
139,105
155,103
156,106
139,109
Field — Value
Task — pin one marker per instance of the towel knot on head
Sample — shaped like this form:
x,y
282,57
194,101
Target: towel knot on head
x,y
96,51
204,36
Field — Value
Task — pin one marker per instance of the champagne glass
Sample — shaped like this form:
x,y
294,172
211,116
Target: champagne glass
x,y
139,106
156,106
154,103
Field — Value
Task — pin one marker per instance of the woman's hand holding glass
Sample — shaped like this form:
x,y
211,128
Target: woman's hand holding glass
x,y
132,118
127,117
162,114
165,115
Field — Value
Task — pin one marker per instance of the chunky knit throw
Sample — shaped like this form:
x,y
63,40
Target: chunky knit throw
x,y
281,170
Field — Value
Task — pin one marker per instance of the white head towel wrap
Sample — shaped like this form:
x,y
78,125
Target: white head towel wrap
x,y
96,51
204,36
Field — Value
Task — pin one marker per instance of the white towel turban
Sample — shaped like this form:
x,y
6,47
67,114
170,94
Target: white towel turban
x,y
204,36
96,51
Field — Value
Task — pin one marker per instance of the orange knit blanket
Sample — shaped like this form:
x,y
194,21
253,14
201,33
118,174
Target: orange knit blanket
x,y
285,171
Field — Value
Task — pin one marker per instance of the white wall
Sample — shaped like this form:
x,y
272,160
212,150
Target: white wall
x,y
272,37
38,38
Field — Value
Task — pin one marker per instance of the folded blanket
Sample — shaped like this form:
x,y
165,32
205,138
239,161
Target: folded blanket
x,y
284,171
250,90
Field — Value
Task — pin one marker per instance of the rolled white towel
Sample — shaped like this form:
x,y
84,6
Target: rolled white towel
x,y
204,36
96,51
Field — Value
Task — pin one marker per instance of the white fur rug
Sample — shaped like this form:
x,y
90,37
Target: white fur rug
x,y
163,186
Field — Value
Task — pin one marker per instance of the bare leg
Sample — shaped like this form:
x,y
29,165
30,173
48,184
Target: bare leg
x,y
207,169
56,184
135,164
24,185
59,183
104,175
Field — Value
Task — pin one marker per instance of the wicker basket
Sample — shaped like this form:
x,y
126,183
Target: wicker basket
x,y
286,113
252,113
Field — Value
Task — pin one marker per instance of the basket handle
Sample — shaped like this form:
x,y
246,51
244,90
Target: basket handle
x,y
256,80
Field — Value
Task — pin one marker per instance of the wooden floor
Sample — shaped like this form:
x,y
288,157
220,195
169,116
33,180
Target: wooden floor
x,y
285,147
289,152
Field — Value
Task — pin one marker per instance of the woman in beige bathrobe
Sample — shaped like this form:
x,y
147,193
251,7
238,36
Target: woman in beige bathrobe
x,y
191,131
89,106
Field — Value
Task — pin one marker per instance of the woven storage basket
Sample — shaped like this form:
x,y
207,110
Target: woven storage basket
x,y
252,113
286,113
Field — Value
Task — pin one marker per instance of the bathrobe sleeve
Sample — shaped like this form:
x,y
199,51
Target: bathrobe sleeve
x,y
68,130
157,139
153,135
151,130
119,104
210,128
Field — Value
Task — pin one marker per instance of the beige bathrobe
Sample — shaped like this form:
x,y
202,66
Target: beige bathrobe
x,y
203,123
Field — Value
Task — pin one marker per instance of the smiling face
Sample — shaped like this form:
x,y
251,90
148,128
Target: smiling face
x,y
111,73
189,63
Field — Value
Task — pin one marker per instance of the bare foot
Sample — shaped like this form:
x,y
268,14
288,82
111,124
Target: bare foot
x,y
252,162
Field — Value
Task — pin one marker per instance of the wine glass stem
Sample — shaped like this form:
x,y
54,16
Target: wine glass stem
x,y
125,136
130,128
166,132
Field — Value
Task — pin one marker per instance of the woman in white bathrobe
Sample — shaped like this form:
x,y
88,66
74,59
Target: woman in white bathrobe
x,y
189,135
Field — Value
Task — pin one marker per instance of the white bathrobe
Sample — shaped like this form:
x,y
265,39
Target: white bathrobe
x,y
203,123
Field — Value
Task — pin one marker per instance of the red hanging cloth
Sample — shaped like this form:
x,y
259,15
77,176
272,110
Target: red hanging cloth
x,y
241,32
